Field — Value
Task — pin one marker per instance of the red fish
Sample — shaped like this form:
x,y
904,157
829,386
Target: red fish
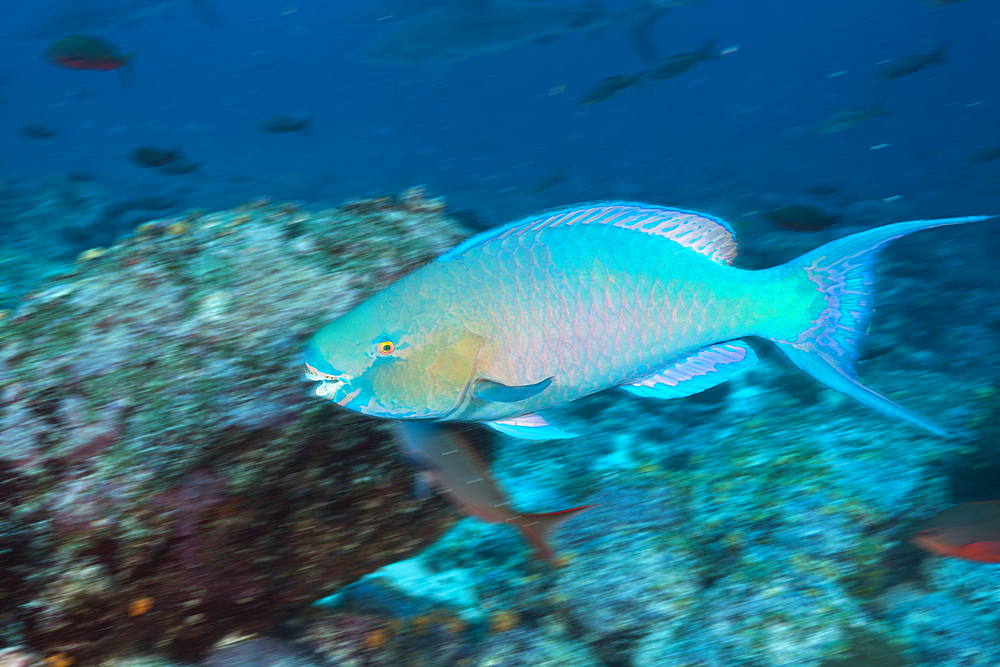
x,y
449,461
90,52
970,531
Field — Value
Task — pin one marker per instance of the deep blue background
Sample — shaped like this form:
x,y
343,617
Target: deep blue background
x,y
728,136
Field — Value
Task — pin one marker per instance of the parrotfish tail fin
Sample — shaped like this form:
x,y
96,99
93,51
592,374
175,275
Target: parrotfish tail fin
x,y
538,528
844,271
640,31
126,75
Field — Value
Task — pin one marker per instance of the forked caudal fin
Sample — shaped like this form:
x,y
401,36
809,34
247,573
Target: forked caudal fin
x,y
843,270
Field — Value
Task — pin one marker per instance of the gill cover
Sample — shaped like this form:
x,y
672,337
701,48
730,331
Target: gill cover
x,y
425,375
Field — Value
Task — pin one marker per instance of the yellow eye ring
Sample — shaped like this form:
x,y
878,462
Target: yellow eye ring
x,y
385,348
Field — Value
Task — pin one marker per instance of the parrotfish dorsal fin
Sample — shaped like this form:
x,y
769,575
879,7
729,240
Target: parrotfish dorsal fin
x,y
700,371
705,234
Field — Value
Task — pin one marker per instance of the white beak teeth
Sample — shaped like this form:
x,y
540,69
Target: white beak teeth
x,y
328,387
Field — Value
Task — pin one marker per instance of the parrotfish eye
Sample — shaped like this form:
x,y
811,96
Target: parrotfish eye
x,y
385,348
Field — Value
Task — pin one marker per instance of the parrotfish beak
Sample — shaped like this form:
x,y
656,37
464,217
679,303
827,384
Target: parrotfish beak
x,y
336,388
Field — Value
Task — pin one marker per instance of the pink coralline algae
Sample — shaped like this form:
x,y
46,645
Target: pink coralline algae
x,y
166,477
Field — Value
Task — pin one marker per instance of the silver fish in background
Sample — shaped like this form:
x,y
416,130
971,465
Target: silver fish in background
x,y
459,31
75,16
907,65
678,64
845,120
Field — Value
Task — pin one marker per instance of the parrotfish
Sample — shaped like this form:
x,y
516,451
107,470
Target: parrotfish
x,y
970,531
580,299
450,462
93,53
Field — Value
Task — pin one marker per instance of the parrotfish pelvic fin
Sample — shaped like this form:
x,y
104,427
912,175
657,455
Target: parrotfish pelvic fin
x,y
530,427
537,528
828,349
702,370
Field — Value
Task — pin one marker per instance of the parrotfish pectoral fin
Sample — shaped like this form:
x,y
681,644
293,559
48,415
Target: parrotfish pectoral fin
x,y
488,390
843,271
700,371
530,427
538,527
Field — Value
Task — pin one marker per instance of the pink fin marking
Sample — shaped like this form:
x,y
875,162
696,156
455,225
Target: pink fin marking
x,y
532,419
702,233
700,363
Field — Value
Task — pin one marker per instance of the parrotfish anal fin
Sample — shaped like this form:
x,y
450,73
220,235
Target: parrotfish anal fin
x,y
705,234
702,370
530,427
844,272
488,390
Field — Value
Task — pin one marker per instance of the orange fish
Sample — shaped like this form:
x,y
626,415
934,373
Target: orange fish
x,y
448,460
970,531
93,53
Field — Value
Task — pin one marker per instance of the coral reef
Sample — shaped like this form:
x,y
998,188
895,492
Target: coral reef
x,y
166,477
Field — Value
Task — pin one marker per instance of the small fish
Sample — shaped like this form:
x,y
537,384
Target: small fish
x,y
90,52
682,62
800,218
448,460
845,120
970,531
579,299
151,156
38,131
984,154
910,64
825,189
5,77
605,89
286,124
545,183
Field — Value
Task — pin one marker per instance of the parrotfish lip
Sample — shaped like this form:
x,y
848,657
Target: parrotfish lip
x,y
330,386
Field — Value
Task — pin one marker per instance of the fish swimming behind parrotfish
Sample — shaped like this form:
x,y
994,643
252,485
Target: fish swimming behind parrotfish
x,y
970,531
580,299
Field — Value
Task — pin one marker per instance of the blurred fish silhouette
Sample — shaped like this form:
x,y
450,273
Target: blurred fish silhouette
x,y
545,183
984,154
463,30
38,131
74,16
151,156
448,460
970,531
90,52
678,64
800,218
845,120
5,78
910,64
605,89
287,124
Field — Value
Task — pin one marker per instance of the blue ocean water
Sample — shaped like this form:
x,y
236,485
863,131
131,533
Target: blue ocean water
x,y
496,126
486,130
